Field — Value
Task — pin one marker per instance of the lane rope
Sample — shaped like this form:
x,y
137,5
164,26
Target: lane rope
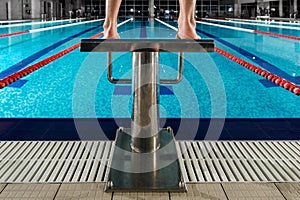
x,y
14,33
28,70
257,24
225,26
248,30
277,35
14,21
264,73
167,25
37,23
47,28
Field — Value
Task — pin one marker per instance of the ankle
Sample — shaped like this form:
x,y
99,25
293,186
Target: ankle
x,y
187,33
110,30
109,25
110,34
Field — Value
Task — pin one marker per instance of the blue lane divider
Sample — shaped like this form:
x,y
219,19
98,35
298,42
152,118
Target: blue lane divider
x,y
265,64
267,83
18,83
143,33
126,90
23,63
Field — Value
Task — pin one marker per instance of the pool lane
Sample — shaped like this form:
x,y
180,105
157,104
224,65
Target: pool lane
x,y
281,59
250,30
9,29
273,22
26,61
252,56
243,82
41,44
277,29
8,22
12,79
261,62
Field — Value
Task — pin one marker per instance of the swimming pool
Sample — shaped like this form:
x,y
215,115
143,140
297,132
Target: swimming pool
x,y
8,30
8,22
213,87
293,29
285,22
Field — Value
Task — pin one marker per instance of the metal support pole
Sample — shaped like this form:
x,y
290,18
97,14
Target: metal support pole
x,y
151,9
145,109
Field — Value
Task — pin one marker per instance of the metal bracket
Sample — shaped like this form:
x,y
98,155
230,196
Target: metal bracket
x,y
146,45
128,81
109,72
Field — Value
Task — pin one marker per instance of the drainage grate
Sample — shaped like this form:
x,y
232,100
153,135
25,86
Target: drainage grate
x,y
76,161
201,161
236,161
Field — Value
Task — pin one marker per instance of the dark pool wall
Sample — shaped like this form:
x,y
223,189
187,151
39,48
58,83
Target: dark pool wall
x,y
185,129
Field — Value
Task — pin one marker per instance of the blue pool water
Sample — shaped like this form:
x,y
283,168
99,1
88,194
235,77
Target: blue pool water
x,y
274,28
11,28
264,22
213,87
10,22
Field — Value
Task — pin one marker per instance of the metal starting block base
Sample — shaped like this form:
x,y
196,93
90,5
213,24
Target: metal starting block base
x,y
144,157
155,171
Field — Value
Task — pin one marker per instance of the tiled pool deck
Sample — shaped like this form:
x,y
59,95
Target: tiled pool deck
x,y
211,169
90,191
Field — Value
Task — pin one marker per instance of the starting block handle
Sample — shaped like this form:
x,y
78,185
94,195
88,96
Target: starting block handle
x,y
145,45
110,72
129,81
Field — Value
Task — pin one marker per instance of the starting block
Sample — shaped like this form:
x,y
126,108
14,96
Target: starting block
x,y
145,156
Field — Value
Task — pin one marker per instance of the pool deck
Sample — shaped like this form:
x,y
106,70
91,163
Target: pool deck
x,y
211,170
224,191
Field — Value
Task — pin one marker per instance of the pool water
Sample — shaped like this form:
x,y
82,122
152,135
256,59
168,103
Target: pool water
x,y
290,23
292,30
10,28
213,87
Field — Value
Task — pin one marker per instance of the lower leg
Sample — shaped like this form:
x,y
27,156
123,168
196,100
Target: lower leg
x,y
110,24
186,20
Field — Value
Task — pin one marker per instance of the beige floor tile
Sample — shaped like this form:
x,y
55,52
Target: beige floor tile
x,y
153,195
290,191
141,195
2,186
125,195
29,191
89,191
252,191
82,191
201,191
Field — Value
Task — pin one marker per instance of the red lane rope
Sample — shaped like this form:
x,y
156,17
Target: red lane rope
x,y
264,73
12,34
277,35
24,72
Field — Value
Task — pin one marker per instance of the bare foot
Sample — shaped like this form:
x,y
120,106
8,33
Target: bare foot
x,y
110,30
188,35
108,35
187,29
